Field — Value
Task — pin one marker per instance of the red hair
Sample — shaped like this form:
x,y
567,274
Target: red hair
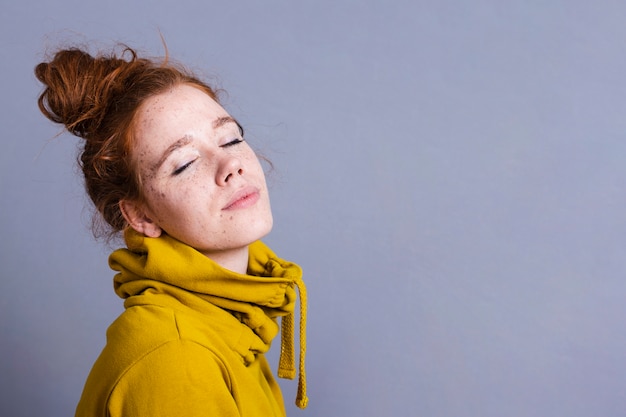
x,y
96,99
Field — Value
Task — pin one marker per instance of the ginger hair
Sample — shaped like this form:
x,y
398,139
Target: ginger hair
x,y
96,98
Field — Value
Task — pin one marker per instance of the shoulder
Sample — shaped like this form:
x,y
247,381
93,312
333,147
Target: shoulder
x,y
173,377
148,340
163,380
145,330
177,361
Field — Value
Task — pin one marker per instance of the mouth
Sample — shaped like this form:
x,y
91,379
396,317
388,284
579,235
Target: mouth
x,y
244,198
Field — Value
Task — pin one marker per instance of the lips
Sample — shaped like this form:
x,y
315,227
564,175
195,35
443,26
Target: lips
x,y
243,198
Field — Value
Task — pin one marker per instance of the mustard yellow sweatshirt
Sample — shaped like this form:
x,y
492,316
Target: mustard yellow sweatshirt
x,y
192,338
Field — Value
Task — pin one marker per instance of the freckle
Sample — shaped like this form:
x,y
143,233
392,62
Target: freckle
x,y
230,218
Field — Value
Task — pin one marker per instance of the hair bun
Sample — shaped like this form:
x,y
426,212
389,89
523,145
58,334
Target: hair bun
x,y
96,98
78,88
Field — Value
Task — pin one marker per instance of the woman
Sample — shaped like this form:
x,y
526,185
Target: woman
x,y
167,165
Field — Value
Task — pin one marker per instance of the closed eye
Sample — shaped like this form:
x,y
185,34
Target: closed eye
x,y
232,142
180,169
236,140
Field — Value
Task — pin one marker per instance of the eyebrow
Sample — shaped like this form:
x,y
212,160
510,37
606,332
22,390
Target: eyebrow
x,y
221,121
185,140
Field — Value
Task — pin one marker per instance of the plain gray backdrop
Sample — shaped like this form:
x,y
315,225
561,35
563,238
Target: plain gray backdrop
x,y
450,175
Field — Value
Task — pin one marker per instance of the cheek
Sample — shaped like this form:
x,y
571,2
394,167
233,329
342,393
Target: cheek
x,y
158,201
155,194
183,200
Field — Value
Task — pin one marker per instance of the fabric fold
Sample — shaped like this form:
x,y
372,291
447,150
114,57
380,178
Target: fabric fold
x,y
268,291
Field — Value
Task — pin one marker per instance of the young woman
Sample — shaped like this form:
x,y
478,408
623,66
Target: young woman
x,y
166,165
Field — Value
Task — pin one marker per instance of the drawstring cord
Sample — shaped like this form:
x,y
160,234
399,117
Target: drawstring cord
x,y
287,361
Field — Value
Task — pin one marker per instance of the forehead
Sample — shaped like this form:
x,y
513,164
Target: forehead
x,y
181,104
183,111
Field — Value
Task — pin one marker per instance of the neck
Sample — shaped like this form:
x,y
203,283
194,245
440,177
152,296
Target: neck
x,y
235,260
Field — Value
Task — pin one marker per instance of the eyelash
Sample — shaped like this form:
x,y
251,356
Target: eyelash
x,y
233,142
236,140
179,170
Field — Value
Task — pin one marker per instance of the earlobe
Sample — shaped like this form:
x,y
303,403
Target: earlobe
x,y
138,219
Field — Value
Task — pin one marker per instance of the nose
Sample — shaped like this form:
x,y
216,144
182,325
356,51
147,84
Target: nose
x,y
230,167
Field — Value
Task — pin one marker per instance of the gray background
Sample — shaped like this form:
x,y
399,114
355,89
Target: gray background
x,y
449,174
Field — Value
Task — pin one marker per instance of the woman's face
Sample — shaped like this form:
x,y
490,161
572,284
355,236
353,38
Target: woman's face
x,y
202,184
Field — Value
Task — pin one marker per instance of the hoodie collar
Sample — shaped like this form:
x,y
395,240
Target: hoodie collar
x,y
268,291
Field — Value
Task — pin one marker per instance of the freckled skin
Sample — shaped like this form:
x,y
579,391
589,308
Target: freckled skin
x,y
192,206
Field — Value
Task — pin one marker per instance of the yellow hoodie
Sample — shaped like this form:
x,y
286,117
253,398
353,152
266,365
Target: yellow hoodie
x,y
192,339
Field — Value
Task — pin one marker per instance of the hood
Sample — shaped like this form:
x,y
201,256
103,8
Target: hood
x,y
257,299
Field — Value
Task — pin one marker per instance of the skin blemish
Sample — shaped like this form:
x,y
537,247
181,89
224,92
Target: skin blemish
x,y
189,207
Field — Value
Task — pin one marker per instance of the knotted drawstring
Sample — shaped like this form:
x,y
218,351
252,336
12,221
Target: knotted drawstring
x,y
287,361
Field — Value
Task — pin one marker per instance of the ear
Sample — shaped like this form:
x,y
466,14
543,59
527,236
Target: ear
x,y
136,216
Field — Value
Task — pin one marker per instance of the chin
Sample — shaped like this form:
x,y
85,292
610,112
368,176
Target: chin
x,y
266,227
257,226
